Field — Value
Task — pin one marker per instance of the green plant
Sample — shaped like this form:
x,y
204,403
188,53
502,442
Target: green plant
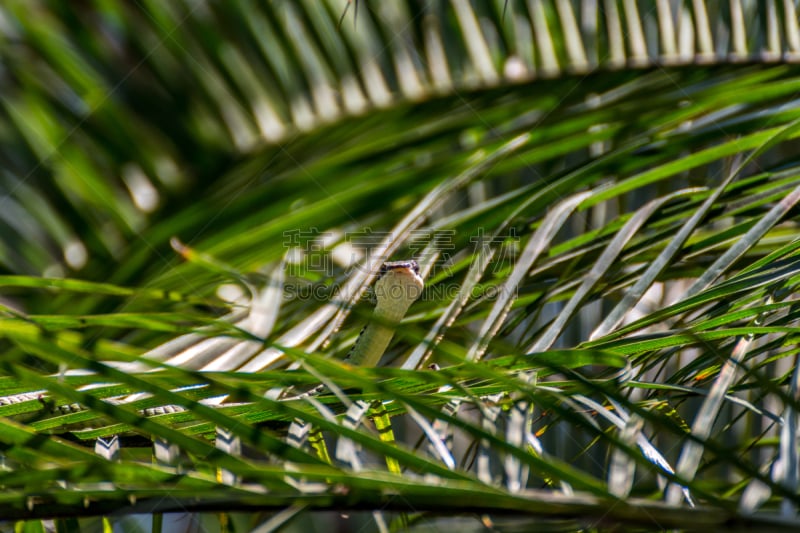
x,y
605,199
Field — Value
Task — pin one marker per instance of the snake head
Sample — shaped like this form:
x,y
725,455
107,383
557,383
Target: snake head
x,y
399,285
405,264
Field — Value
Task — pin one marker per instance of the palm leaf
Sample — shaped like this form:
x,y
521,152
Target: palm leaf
x,y
602,195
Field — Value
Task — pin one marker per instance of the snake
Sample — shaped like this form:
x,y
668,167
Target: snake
x,y
399,285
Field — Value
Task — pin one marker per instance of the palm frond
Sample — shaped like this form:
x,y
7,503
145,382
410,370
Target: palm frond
x,y
602,195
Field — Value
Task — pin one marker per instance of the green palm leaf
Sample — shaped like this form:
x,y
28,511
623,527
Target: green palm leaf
x,y
602,196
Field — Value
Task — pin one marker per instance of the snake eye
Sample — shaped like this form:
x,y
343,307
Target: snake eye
x,y
392,265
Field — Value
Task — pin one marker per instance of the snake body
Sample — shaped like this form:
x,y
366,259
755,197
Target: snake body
x,y
398,286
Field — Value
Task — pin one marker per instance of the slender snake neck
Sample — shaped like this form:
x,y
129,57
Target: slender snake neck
x,y
398,286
